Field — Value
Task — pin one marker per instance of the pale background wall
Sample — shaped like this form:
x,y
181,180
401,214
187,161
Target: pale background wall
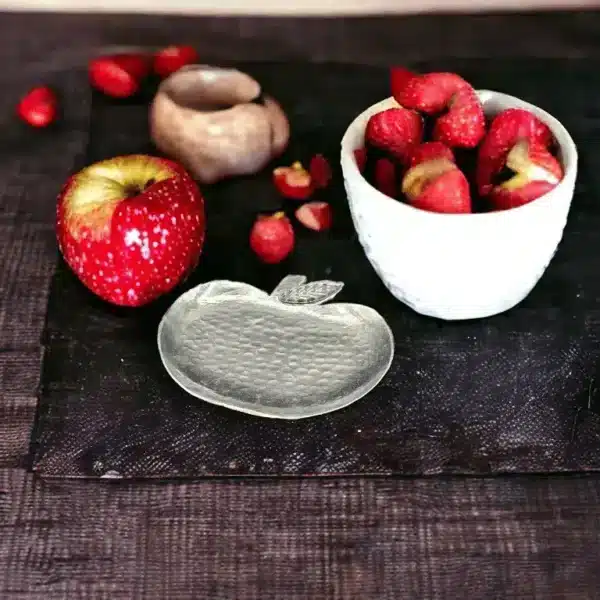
x,y
287,7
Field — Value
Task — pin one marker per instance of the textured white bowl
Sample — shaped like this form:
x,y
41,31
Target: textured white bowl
x,y
453,266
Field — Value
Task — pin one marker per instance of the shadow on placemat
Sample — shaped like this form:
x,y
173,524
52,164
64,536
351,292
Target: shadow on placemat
x,y
514,393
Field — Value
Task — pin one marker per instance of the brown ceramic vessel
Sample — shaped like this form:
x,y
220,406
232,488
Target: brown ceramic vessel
x,y
217,122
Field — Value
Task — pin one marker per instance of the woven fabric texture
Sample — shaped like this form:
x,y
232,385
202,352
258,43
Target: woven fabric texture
x,y
433,538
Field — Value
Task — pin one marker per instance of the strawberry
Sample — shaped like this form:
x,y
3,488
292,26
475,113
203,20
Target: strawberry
x,y
360,156
38,107
171,59
395,130
131,228
506,129
536,172
437,186
315,215
138,65
430,151
399,78
463,125
118,75
293,182
320,171
385,177
272,238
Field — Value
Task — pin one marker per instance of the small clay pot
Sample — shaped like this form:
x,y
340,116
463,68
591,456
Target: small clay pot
x,y
217,123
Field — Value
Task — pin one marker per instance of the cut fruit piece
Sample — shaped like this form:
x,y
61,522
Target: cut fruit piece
x,y
317,216
293,182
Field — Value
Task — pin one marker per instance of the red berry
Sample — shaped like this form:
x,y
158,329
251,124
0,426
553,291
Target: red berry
x,y
112,76
317,216
385,177
360,156
320,171
399,78
430,151
506,130
536,172
463,125
171,59
38,107
395,130
293,182
272,238
437,186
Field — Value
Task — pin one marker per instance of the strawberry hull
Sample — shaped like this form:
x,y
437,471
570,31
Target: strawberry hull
x,y
459,266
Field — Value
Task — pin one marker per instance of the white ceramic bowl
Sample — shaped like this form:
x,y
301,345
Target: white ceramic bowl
x,y
454,266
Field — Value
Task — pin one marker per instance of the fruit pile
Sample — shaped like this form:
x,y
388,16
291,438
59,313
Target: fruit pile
x,y
437,151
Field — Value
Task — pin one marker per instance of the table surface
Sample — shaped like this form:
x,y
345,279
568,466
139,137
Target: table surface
x,y
512,537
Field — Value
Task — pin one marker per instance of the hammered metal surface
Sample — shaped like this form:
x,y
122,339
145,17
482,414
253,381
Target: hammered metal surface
x,y
233,345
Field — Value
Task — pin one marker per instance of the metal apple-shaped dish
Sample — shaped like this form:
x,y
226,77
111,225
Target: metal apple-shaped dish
x,y
283,355
217,122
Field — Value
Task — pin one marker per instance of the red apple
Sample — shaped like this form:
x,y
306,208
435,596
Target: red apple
x,y
131,227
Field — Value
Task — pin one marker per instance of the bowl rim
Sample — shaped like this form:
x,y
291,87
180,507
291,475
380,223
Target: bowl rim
x,y
567,147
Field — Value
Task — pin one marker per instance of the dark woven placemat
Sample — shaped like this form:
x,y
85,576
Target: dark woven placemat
x,y
512,393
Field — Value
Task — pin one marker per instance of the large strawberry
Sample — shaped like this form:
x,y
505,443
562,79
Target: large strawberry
x,y
395,130
536,172
506,129
131,227
461,121
437,185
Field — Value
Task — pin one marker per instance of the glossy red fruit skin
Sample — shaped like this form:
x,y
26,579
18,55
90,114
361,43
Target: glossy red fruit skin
x,y
395,130
385,177
320,171
430,151
110,75
447,193
294,182
171,59
39,107
502,199
463,126
506,129
317,216
138,64
150,244
360,156
399,78
272,238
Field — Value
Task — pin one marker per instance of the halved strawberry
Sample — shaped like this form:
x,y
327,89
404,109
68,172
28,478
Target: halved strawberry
x,y
506,129
437,186
317,216
463,124
320,171
385,177
171,59
536,172
38,107
395,130
430,151
293,182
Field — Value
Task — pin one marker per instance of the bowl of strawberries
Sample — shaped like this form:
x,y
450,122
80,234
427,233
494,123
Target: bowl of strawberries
x,y
459,196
